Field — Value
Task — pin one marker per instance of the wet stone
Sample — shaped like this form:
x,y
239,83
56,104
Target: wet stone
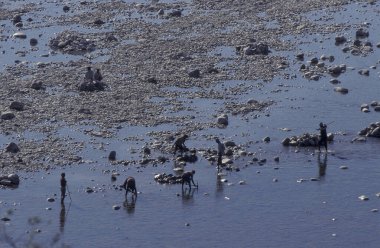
x,y
116,207
363,198
50,199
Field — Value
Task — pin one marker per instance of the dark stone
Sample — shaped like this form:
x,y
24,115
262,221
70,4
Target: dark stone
x,y
195,74
19,106
37,86
84,111
7,116
13,148
33,41
99,22
362,33
112,156
152,80
175,13
340,39
66,8
16,18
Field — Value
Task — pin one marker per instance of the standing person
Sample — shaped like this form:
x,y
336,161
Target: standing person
x,y
89,76
179,144
323,136
63,187
98,76
130,185
221,149
188,177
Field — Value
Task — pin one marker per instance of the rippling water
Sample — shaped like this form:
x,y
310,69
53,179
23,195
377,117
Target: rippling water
x,y
275,208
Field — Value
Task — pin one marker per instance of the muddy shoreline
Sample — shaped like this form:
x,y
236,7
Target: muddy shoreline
x,y
142,50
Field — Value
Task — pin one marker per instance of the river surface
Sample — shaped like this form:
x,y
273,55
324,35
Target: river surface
x,y
304,200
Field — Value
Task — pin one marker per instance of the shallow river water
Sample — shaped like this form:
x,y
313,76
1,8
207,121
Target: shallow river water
x,y
304,200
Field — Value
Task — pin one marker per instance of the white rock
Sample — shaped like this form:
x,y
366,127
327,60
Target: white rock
x,y
363,198
19,35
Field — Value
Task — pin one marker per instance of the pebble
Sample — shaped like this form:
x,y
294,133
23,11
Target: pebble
x,y
116,207
50,199
242,182
187,224
275,180
375,210
227,198
314,179
343,167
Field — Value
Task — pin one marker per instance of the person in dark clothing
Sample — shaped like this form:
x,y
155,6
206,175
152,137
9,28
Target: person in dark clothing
x,y
130,185
63,187
187,177
221,149
98,76
179,144
323,136
89,76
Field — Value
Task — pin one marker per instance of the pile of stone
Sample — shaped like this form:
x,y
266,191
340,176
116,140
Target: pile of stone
x,y
305,140
167,178
373,130
72,43
254,49
90,86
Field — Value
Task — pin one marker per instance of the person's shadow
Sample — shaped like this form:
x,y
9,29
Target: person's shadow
x,y
129,206
322,165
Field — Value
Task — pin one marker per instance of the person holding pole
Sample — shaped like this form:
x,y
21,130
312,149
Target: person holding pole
x,y
63,187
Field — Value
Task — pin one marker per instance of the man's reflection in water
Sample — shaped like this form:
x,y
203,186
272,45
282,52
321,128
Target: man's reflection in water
x,y
62,217
322,165
219,185
130,205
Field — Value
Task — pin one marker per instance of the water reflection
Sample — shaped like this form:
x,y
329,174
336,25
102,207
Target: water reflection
x,y
219,185
129,206
187,195
322,165
62,217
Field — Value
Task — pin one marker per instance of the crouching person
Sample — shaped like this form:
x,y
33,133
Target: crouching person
x,y
130,185
187,177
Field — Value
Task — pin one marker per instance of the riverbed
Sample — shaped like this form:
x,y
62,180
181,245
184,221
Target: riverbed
x,y
306,199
